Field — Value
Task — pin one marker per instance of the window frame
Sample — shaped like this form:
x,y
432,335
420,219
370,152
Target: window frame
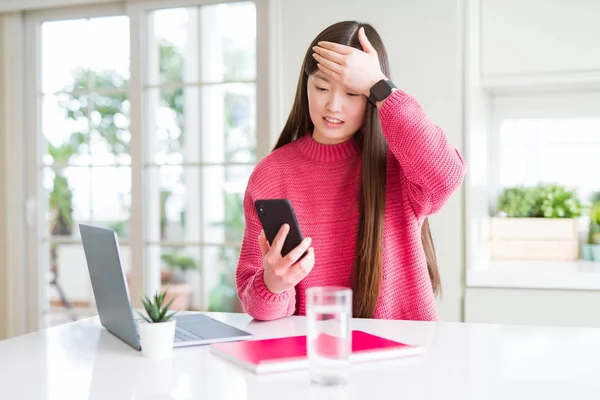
x,y
33,20
14,301
147,280
268,124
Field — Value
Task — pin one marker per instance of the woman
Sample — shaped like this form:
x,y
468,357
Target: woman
x,y
363,167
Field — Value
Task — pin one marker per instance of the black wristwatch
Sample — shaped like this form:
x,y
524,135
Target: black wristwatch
x,y
380,91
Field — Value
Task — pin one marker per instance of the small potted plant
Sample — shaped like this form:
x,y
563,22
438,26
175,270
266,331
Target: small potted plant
x,y
157,330
174,277
591,249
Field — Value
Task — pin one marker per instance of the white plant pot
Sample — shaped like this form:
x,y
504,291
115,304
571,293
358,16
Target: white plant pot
x,y
157,338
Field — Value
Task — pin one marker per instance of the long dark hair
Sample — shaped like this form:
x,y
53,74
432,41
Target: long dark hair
x,y
368,263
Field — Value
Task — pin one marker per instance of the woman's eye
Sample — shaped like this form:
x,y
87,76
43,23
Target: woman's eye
x,y
320,89
353,94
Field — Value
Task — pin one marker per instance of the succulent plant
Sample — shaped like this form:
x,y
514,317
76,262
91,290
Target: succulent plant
x,y
157,312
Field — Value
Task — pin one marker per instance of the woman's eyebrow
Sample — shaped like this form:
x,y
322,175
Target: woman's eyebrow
x,y
319,76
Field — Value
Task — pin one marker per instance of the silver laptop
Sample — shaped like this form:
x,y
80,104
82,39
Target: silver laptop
x,y
112,297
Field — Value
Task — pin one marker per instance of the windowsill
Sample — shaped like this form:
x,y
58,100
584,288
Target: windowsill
x,y
561,275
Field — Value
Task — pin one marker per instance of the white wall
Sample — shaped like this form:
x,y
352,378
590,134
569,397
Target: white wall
x,y
540,36
424,43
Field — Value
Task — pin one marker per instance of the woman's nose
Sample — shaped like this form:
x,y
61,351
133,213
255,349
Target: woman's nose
x,y
335,103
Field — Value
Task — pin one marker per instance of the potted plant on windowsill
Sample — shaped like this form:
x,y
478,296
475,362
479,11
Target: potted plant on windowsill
x,y
591,249
157,329
174,277
536,223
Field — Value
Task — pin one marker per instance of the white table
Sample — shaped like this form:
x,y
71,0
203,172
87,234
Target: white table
x,y
82,360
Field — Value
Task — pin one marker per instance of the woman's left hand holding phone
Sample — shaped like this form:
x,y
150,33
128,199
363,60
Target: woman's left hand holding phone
x,y
284,273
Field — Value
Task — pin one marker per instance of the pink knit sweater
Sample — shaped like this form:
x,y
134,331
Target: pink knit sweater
x,y
323,182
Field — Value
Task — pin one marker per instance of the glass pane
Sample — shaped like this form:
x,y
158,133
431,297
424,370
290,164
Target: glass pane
x,y
170,31
219,274
65,128
179,266
70,295
231,119
228,39
111,198
69,198
65,125
62,68
228,33
108,41
169,209
561,150
214,124
167,126
69,290
223,209
101,58
110,136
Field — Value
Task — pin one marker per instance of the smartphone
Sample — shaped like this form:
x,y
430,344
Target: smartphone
x,y
273,213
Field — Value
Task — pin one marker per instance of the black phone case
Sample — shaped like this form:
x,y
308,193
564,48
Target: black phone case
x,y
273,213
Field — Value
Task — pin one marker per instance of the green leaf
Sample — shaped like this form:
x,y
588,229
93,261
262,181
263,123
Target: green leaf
x,y
166,308
162,297
168,317
542,201
147,305
143,316
154,314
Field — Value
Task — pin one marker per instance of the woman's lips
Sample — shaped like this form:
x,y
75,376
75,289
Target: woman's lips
x,y
332,123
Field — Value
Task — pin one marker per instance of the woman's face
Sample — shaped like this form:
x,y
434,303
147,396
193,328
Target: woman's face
x,y
336,114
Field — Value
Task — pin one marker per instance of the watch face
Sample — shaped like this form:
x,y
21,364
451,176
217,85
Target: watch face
x,y
381,90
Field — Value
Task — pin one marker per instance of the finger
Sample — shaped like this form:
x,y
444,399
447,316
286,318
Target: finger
x,y
332,66
298,271
295,254
338,48
329,73
264,244
364,41
330,55
277,244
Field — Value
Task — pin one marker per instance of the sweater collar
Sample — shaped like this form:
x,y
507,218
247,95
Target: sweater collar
x,y
328,152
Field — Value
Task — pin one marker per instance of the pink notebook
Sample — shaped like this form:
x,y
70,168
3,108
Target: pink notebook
x,y
289,353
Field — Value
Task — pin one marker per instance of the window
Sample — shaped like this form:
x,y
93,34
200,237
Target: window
x,y
546,139
561,150
529,139
85,165
200,103
177,105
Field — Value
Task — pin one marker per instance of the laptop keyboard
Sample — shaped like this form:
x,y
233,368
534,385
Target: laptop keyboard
x,y
181,335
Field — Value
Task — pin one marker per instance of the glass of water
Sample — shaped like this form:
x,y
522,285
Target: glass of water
x,y
329,339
